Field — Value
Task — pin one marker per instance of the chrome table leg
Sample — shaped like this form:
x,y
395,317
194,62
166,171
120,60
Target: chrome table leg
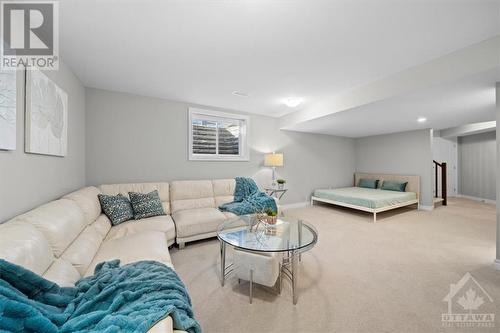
x,y
251,285
222,262
300,237
295,276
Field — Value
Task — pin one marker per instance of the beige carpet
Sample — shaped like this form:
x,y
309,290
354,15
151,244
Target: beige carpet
x,y
390,276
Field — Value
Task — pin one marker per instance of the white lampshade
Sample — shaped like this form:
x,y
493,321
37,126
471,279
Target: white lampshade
x,y
273,160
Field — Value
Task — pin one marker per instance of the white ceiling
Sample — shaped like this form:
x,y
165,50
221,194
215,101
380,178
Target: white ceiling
x,y
201,50
465,101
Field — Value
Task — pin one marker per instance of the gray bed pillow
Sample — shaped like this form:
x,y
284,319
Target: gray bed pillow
x,y
368,183
390,185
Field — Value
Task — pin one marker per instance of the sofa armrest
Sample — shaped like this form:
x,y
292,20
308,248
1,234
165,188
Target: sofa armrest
x,y
163,326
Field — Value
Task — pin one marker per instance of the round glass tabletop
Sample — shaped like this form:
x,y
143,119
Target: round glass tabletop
x,y
247,232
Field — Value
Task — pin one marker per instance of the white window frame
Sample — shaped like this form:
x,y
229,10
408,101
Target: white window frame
x,y
196,113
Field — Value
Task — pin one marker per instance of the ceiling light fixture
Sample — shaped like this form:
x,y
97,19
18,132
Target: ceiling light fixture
x,y
422,119
239,93
293,102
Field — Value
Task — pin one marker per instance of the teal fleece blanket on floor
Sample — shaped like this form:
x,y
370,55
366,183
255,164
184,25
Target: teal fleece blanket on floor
x,y
130,298
248,199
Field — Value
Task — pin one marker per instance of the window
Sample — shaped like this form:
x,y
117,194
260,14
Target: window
x,y
217,136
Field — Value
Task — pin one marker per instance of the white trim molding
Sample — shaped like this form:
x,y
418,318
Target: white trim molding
x,y
295,205
488,201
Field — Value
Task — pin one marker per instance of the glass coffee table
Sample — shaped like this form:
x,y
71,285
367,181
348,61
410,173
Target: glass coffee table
x,y
288,236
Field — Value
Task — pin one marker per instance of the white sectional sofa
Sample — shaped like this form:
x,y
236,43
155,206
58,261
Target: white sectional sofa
x,y
65,239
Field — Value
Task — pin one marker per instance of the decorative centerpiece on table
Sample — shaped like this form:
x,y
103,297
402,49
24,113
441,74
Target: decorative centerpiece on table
x,y
281,183
268,216
271,216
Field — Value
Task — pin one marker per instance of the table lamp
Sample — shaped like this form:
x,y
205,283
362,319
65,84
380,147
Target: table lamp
x,y
273,160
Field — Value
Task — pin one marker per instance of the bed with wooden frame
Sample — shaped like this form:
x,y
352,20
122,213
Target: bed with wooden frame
x,y
367,201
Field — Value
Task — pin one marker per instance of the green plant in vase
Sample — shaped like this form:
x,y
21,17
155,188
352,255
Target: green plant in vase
x,y
281,183
272,216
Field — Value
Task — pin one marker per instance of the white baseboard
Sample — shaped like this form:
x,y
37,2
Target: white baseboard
x,y
295,205
496,264
427,208
488,201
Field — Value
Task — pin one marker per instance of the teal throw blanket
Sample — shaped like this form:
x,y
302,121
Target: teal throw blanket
x,y
131,298
248,199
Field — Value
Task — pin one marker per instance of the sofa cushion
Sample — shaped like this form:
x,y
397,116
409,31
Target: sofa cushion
x,y
117,208
229,215
62,273
102,225
162,188
60,221
83,249
191,194
147,245
146,204
223,191
197,221
163,223
25,245
86,199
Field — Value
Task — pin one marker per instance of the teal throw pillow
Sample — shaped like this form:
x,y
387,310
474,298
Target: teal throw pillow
x,y
146,205
116,207
368,183
390,185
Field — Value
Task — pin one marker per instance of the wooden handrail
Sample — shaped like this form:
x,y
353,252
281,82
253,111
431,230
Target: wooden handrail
x,y
436,178
444,185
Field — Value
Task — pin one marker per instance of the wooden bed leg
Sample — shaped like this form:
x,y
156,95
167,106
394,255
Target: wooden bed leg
x,y
374,217
312,201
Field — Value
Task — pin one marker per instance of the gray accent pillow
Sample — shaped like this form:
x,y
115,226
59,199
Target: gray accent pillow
x,y
146,205
368,183
394,186
116,207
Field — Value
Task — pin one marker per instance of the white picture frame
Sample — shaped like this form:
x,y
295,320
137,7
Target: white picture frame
x,y
46,116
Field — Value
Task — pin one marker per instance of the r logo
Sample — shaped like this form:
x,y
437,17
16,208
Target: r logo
x,y
28,28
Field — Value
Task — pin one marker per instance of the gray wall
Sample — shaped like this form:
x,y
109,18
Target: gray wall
x,y
133,138
497,102
27,180
477,165
407,153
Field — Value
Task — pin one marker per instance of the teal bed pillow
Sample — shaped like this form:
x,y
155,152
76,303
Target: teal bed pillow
x,y
368,183
390,185
146,205
116,207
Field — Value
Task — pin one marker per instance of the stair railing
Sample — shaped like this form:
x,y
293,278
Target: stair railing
x,y
444,191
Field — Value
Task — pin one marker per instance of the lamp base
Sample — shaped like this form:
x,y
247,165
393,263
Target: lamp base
x,y
273,184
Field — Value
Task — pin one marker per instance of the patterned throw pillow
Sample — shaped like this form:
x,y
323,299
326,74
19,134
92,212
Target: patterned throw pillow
x,y
116,207
146,205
